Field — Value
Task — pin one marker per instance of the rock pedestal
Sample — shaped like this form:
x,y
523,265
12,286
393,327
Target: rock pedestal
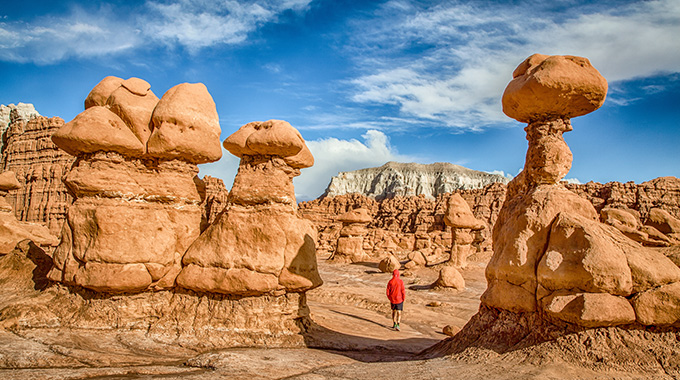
x,y
137,196
459,217
551,254
259,245
350,248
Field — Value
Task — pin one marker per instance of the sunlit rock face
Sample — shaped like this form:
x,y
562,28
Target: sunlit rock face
x,y
551,252
259,245
137,196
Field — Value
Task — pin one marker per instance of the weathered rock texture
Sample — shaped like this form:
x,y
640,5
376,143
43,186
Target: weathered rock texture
x,y
258,246
21,111
137,194
559,278
400,179
39,165
350,246
13,231
395,220
33,307
551,253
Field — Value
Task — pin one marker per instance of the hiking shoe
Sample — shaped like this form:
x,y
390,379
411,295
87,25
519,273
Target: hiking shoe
x,y
397,327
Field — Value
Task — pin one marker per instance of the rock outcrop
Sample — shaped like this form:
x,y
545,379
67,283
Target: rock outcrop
x,y
39,165
401,179
463,223
559,278
13,231
21,111
258,246
135,176
350,246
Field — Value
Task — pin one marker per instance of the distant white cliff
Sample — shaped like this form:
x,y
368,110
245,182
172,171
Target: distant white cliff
x,y
21,111
407,179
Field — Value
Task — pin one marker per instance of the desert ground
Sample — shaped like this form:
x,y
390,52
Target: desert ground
x,y
351,339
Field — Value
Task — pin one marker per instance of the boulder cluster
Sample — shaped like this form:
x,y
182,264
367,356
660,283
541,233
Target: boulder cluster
x,y
552,255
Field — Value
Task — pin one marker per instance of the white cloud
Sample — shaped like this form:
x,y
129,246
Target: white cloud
x,y
50,39
468,53
331,155
193,24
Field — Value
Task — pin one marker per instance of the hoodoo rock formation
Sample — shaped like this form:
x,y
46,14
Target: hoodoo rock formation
x,y
463,223
351,241
258,246
135,176
408,179
556,269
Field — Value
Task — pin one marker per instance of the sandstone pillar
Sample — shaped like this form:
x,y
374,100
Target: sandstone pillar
x,y
350,246
137,196
462,222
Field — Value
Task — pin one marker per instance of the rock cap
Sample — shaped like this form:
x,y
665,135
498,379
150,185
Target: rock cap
x,y
459,215
8,181
558,86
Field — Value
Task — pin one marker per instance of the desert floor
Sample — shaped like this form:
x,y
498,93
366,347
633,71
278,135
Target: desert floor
x,y
352,339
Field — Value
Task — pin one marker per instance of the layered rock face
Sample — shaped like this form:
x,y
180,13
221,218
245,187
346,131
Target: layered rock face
x,y
399,179
258,246
13,231
135,176
39,165
21,111
551,253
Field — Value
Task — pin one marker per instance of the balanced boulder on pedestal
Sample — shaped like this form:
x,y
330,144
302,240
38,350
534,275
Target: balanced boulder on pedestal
x,y
135,184
459,217
259,245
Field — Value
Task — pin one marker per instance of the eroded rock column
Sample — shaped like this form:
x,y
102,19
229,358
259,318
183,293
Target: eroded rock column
x,y
462,222
350,247
259,246
137,196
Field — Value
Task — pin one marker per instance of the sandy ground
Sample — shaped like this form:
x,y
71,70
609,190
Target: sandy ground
x,y
352,339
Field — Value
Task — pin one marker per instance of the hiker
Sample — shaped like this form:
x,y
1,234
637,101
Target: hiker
x,y
396,295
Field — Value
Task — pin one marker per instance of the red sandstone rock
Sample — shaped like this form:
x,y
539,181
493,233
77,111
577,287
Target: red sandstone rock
x,y
154,203
559,86
258,245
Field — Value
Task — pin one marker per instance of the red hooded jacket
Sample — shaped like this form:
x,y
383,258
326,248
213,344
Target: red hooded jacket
x,y
395,288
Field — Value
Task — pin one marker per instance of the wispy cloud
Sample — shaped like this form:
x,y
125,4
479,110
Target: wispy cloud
x,y
94,32
449,63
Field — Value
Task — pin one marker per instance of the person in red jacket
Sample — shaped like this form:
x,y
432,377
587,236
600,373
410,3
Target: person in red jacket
x,y
396,295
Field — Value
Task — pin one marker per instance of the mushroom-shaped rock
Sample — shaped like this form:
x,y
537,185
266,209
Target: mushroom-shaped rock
x,y
97,129
8,181
459,215
101,92
134,103
185,125
359,215
559,86
276,138
270,138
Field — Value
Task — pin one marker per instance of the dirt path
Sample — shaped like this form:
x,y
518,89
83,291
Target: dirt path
x,y
353,312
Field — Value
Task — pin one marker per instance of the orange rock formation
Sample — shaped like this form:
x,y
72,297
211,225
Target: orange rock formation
x,y
135,176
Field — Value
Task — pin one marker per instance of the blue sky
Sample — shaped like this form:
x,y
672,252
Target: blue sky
x,y
366,82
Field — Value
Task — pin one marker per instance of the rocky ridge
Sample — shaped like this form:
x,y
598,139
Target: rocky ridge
x,y
407,179
39,165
